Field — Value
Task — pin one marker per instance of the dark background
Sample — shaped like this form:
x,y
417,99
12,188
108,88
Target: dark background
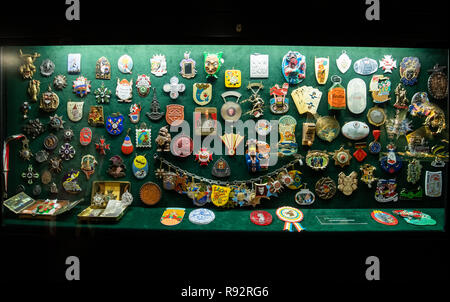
x,y
227,257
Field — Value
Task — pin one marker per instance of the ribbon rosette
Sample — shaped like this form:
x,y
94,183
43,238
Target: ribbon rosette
x,y
291,217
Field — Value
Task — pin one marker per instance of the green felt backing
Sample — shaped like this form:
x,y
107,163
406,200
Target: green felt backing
x,y
235,56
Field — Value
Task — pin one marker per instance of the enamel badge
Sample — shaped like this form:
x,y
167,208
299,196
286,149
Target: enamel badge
x,y
103,69
158,65
232,78
220,195
343,62
49,101
140,167
383,217
85,136
127,146
135,113
143,136
81,86
202,93
75,111
409,70
124,90
356,96
388,63
365,66
386,190
336,94
355,130
143,85
74,63
95,117
279,104
433,184
293,67
322,67
174,114
305,197
172,216
287,144
187,66
114,124
380,86
125,64
174,87
102,94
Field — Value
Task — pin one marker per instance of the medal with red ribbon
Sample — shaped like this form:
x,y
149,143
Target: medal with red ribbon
x,y
6,160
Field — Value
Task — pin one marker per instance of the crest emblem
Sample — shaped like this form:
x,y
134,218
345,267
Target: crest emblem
x,y
143,85
81,86
322,66
158,65
343,62
49,101
75,111
409,70
95,117
174,114
202,93
124,90
114,124
388,63
103,69
135,113
220,195
294,67
438,82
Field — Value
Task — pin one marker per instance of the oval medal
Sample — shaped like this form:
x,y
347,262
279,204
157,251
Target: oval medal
x,y
125,64
140,167
356,96
293,67
383,217
261,217
85,136
305,197
202,216
365,66
355,130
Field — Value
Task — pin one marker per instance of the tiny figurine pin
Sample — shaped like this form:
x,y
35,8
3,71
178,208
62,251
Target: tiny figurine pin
x,y
25,108
163,140
34,89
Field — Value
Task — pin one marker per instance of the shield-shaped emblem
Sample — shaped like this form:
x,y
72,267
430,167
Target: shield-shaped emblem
x,y
202,93
143,85
81,86
158,65
114,124
220,195
322,66
409,70
75,111
124,90
343,62
174,114
172,216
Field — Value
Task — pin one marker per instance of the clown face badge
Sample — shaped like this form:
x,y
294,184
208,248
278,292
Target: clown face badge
x,y
143,85
409,70
213,62
124,90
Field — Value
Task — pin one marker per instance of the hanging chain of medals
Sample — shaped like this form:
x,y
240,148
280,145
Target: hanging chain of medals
x,y
229,193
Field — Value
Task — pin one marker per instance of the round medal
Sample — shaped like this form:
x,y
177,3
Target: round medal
x,y
201,216
261,217
150,193
263,127
305,197
383,217
182,146
125,64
